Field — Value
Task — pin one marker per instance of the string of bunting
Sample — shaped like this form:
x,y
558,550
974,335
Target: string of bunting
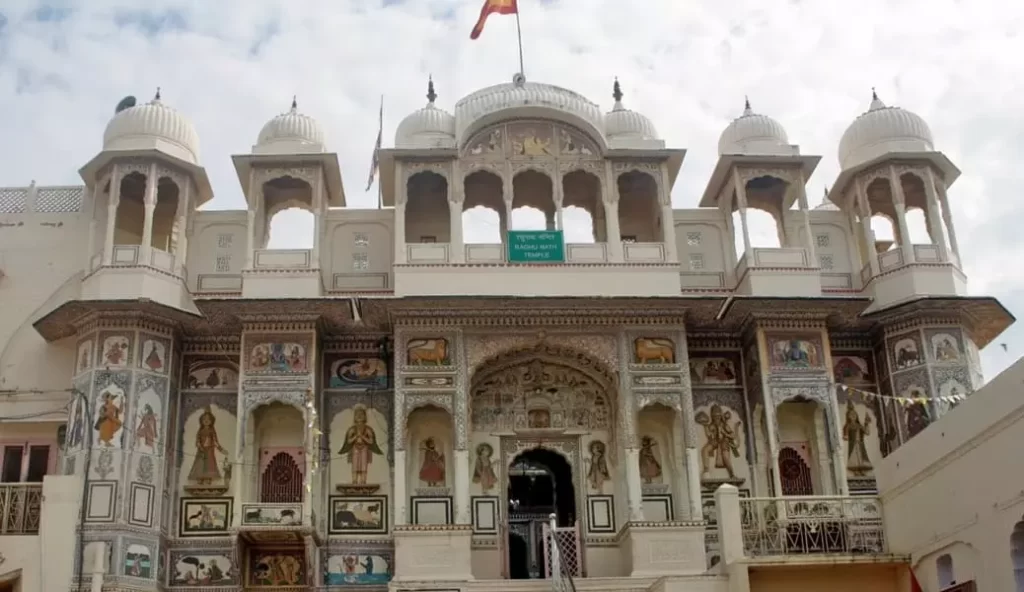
x,y
905,401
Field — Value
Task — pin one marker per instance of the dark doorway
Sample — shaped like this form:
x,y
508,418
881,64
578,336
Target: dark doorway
x,y
540,484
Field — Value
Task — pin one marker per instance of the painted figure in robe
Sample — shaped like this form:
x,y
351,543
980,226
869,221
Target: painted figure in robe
x,y
650,468
721,446
360,445
854,431
432,469
204,467
146,432
483,470
109,421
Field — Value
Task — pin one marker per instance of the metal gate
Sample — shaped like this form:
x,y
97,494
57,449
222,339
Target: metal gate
x,y
563,554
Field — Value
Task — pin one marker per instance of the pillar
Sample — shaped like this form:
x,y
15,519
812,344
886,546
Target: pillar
x,y
96,193
691,455
634,489
462,509
115,200
399,488
181,249
805,215
460,423
935,217
946,215
861,204
899,203
456,198
559,198
318,218
773,435
149,201
610,197
631,449
741,205
668,220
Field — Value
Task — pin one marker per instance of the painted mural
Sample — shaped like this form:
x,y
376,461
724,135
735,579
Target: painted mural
x,y
857,427
154,354
483,467
138,561
278,356
359,515
597,466
357,569
945,347
210,569
208,445
654,350
278,567
432,466
148,419
109,420
204,516
650,465
211,375
116,351
852,369
713,371
906,352
84,357
720,444
428,352
76,423
358,373
795,352
531,139
360,463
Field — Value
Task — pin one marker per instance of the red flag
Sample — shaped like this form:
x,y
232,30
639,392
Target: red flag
x,y
493,7
915,586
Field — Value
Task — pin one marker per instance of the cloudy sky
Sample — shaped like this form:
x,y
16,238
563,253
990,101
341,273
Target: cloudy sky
x,y
231,65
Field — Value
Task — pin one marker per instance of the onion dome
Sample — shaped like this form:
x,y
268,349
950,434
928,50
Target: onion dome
x,y
429,127
622,124
291,132
152,126
753,134
883,130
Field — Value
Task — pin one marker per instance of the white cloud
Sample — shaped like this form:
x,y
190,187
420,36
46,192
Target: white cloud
x,y
231,65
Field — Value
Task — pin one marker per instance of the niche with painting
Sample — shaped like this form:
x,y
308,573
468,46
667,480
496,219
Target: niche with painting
x,y
360,463
659,434
208,446
721,439
428,463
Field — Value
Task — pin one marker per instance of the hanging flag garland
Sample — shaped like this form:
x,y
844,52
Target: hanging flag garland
x,y
905,401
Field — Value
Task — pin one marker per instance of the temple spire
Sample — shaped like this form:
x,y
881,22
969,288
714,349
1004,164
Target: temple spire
x,y
431,95
156,97
746,106
617,91
295,103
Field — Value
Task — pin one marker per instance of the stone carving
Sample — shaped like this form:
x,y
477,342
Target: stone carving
x,y
650,467
722,445
647,350
427,352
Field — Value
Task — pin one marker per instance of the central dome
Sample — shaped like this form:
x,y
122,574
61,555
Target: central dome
x,y
481,107
883,130
153,126
290,133
753,134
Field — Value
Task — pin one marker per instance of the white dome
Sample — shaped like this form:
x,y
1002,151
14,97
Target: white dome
x,y
883,130
753,134
153,126
622,124
290,132
524,95
428,127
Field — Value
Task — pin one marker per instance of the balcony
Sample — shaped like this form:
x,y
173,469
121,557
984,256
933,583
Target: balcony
x,y
905,272
803,525
20,508
282,273
785,271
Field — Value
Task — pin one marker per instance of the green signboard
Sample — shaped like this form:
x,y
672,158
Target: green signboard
x,y
536,246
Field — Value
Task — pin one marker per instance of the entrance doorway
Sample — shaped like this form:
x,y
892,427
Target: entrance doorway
x,y
540,483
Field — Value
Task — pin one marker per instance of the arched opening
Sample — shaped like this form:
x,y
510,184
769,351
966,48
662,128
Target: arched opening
x,y
278,434
533,201
540,483
639,208
289,223
131,210
483,209
803,448
582,208
944,571
1017,555
795,471
165,215
763,229
427,216
884,230
916,199
917,227
661,461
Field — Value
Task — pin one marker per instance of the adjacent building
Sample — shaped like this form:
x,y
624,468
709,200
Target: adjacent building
x,y
401,407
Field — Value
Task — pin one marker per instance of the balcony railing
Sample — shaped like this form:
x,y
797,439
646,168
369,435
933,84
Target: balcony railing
x,y
20,508
801,525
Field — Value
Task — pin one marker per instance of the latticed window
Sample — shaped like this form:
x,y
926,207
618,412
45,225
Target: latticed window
x,y
696,261
281,481
224,241
361,240
823,240
12,200
693,239
794,473
360,261
826,262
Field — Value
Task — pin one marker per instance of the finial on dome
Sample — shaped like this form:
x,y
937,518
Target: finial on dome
x,y
746,106
156,97
874,94
617,91
295,102
876,103
431,95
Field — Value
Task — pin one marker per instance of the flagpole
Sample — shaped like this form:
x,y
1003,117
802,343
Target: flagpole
x,y
519,34
380,133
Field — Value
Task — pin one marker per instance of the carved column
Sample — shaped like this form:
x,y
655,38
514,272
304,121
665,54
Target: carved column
x,y
181,242
864,212
401,193
627,429
935,221
461,442
770,421
899,203
508,195
689,422
805,216
319,212
668,220
610,196
741,205
149,203
946,216
400,468
97,191
559,197
115,201
456,197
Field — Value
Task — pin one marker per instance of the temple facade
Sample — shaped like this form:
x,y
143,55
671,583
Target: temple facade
x,y
665,405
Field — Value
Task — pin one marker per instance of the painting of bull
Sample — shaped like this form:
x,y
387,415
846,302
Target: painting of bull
x,y
648,350
428,352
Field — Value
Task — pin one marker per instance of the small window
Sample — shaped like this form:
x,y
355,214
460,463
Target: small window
x,y
823,240
360,261
428,239
944,569
223,263
629,238
693,239
11,472
696,261
38,463
825,262
224,241
361,240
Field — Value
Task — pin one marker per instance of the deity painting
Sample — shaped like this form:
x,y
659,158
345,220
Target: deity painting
x,y
278,357
854,432
489,145
851,370
277,568
116,351
147,428
202,570
359,372
795,353
538,419
427,352
432,468
205,467
917,418
204,376
906,354
138,562
483,468
650,468
84,356
722,445
648,350
572,146
108,419
154,355
360,445
357,568
76,423
530,143
945,348
597,466
712,371
951,393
